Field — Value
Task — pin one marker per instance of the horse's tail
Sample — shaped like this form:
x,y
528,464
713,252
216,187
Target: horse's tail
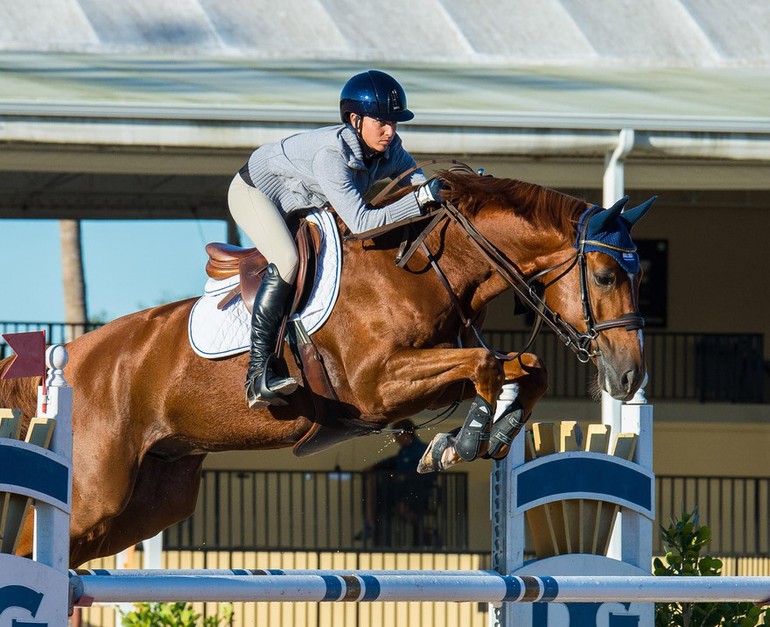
x,y
18,393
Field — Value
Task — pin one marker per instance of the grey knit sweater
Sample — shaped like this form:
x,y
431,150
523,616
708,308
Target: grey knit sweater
x,y
327,165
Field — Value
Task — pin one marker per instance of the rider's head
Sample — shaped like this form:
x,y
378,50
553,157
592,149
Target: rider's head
x,y
376,95
373,103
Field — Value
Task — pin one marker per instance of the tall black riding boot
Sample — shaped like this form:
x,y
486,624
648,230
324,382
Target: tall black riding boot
x,y
262,385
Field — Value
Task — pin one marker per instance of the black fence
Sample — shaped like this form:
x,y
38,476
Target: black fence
x,y
55,332
349,511
697,367
292,510
736,509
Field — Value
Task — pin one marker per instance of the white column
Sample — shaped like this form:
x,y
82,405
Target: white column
x,y
52,525
613,190
508,527
637,530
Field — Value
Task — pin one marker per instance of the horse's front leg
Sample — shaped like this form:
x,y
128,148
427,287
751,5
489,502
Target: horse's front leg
x,y
528,372
411,376
447,450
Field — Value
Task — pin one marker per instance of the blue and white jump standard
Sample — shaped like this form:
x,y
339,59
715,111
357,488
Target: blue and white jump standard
x,y
519,486
45,591
38,588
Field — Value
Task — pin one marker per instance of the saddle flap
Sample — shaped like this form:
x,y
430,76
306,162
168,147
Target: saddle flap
x,y
251,269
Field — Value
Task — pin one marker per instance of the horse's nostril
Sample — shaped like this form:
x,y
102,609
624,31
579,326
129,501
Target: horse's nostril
x,y
629,380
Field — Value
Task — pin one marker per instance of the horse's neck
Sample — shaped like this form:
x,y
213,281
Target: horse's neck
x,y
529,249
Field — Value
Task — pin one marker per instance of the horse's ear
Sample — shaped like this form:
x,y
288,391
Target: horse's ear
x,y
632,216
598,221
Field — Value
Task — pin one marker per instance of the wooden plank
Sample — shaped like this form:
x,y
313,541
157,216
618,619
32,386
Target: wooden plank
x,y
545,443
546,522
537,518
10,423
10,427
625,447
529,446
570,439
39,433
597,441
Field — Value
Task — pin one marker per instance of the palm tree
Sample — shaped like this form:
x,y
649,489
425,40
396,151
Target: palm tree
x,y
73,279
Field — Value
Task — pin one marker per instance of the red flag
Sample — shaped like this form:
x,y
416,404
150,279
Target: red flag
x,y
29,360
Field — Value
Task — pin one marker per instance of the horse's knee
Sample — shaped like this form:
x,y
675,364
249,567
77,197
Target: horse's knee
x,y
490,374
529,371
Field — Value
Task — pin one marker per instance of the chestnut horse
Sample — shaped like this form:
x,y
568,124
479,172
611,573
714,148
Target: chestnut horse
x,y
147,409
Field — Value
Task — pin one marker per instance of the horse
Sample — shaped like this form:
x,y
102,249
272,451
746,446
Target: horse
x,y
401,339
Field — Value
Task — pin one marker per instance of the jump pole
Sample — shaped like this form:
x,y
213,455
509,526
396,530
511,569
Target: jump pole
x,y
361,586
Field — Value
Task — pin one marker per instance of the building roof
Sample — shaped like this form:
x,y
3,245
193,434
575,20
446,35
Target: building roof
x,y
685,33
189,87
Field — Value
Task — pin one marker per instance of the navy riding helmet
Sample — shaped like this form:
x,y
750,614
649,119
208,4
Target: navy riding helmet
x,y
374,94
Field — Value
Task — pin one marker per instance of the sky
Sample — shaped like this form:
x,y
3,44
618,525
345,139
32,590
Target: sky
x,y
128,265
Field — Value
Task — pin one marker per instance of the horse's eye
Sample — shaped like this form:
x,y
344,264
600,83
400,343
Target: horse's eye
x,y
605,279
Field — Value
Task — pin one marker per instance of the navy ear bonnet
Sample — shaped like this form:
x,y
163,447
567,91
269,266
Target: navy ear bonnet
x,y
608,231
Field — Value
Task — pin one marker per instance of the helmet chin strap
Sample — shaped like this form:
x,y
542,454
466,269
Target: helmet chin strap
x,y
369,154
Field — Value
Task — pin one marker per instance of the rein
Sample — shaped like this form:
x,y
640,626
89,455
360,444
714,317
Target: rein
x,y
529,289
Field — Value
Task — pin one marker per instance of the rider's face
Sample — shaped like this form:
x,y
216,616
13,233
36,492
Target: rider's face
x,y
377,134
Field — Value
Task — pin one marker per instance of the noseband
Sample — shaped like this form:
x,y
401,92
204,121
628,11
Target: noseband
x,y
529,290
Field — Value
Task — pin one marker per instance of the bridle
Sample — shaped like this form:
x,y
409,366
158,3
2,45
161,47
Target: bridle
x,y
530,290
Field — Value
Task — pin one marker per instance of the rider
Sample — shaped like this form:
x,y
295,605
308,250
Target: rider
x,y
334,165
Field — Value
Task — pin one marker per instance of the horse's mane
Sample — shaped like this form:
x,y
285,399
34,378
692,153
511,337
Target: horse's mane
x,y
543,207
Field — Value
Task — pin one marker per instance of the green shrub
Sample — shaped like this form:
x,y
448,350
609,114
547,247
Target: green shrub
x,y
683,541
174,615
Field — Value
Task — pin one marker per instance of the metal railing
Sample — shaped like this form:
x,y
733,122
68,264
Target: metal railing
x,y
346,511
696,367
736,509
319,511
55,332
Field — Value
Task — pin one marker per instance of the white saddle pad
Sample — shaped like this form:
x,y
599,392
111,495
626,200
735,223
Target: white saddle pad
x,y
218,333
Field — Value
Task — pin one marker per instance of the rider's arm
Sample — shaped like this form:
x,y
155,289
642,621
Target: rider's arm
x,y
338,183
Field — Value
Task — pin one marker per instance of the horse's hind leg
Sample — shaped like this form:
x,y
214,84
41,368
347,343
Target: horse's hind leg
x,y
165,492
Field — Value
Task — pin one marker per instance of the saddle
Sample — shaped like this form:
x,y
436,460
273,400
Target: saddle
x,y
227,260
332,422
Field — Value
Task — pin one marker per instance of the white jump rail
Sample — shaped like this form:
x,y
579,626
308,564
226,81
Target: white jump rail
x,y
361,586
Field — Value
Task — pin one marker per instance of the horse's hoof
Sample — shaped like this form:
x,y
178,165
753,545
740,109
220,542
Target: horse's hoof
x,y
431,458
